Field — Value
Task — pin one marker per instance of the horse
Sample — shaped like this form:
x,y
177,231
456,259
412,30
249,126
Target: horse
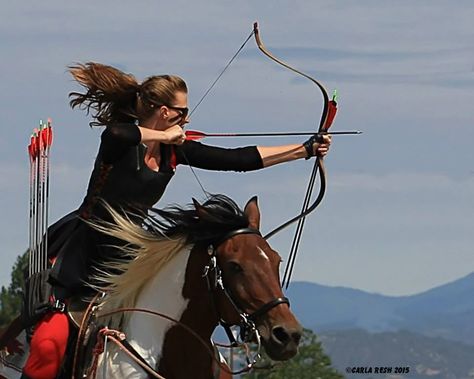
x,y
187,270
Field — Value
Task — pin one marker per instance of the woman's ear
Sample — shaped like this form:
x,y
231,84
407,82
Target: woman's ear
x,y
163,112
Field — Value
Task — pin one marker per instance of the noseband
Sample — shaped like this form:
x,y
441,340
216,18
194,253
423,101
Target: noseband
x,y
247,321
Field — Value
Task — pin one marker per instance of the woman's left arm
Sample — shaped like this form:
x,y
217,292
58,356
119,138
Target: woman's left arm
x,y
272,155
250,157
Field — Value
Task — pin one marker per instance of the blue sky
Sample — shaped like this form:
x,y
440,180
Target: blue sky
x,y
398,215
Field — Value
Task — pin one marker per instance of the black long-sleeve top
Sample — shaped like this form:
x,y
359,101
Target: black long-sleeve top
x,y
122,179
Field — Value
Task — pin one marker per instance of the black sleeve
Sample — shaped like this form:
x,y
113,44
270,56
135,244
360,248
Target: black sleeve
x,y
217,158
116,139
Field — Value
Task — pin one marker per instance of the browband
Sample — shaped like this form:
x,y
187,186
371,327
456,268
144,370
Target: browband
x,y
233,233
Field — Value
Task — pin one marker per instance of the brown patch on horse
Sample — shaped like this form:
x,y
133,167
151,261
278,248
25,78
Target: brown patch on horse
x,y
199,316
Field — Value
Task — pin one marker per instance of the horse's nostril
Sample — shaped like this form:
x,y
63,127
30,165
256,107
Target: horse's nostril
x,y
285,336
281,335
296,336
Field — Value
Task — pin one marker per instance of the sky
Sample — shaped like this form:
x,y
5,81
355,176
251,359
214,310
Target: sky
x,y
398,214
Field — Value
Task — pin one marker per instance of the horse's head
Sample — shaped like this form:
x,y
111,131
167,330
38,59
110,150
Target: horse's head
x,y
251,282
163,269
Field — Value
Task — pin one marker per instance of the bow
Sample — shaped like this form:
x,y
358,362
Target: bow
x,y
327,116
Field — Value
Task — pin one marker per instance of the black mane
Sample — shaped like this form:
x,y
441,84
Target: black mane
x,y
213,219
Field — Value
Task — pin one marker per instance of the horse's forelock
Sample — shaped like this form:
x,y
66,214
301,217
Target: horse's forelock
x,y
218,215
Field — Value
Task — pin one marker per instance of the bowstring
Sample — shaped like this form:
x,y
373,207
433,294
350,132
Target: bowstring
x,y
206,193
221,73
299,230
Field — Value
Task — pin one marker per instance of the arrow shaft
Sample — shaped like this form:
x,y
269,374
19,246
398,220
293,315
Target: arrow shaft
x,y
197,134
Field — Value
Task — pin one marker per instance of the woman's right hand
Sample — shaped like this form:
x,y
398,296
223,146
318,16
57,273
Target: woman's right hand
x,y
174,135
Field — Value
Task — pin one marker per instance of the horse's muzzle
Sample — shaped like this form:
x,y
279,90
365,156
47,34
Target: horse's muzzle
x,y
282,344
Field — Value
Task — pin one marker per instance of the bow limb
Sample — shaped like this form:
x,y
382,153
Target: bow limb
x,y
264,50
319,162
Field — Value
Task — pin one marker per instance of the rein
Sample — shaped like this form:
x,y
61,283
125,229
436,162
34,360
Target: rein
x,y
247,325
177,322
119,339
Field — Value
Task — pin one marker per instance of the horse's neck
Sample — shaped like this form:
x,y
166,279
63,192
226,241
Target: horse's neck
x,y
163,294
199,316
179,291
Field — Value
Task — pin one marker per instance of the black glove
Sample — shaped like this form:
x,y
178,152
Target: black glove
x,y
308,145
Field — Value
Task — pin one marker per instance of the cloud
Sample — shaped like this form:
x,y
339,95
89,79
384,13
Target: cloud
x,y
404,71
446,67
403,182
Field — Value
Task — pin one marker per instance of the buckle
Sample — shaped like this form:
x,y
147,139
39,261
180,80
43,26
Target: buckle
x,y
59,306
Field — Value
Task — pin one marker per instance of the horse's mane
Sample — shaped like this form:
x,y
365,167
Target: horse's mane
x,y
155,240
199,224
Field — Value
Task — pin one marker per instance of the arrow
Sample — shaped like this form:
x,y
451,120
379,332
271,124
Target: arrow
x,y
195,135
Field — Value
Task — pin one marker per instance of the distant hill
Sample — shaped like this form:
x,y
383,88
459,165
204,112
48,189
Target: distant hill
x,y
446,311
423,357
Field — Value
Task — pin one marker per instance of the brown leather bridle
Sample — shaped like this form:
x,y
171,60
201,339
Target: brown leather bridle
x,y
248,330
247,326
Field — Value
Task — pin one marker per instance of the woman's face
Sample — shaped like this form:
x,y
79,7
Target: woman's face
x,y
177,112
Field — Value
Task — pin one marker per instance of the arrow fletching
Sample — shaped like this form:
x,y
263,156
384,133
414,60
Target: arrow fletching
x,y
332,111
50,133
194,135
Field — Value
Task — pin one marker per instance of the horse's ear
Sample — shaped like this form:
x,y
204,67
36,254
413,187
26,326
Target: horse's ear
x,y
253,213
196,203
200,210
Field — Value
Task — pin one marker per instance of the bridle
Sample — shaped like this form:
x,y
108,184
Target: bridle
x,y
215,282
213,275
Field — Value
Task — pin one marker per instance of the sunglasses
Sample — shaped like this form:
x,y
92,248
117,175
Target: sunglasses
x,y
182,110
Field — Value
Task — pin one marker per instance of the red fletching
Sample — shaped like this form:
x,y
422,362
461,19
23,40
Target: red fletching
x,y
47,136
50,133
30,151
332,110
34,148
194,135
39,142
50,136
44,136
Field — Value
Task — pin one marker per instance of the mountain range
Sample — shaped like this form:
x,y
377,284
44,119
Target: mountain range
x,y
446,311
430,334
398,355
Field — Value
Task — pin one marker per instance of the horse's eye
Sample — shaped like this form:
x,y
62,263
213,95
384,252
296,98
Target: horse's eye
x,y
235,268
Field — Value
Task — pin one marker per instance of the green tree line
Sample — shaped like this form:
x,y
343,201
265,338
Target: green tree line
x,y
11,296
310,363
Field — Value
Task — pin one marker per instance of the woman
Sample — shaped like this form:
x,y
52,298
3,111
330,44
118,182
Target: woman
x,y
141,146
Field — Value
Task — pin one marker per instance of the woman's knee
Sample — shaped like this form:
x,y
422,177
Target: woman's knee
x,y
48,347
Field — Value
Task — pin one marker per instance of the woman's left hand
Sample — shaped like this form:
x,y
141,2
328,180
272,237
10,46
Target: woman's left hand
x,y
322,148
318,145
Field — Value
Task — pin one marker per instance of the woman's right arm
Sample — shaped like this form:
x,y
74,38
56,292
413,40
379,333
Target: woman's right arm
x,y
173,136
116,139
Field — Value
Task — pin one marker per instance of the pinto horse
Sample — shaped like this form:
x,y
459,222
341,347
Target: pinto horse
x,y
193,267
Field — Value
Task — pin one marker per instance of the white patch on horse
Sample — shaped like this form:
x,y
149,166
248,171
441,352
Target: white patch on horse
x,y
263,254
146,332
